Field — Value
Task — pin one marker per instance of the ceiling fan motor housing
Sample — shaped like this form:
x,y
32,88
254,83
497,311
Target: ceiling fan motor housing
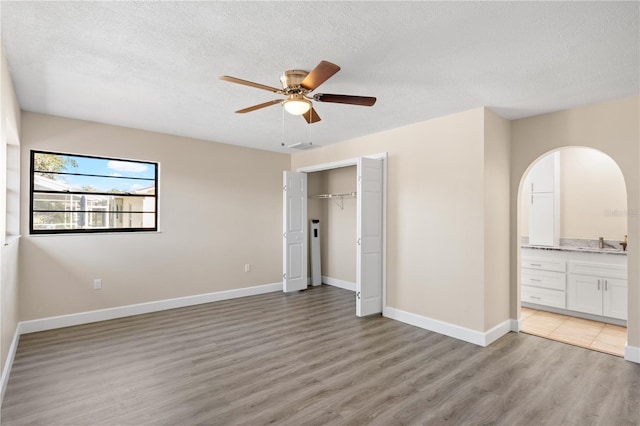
x,y
291,80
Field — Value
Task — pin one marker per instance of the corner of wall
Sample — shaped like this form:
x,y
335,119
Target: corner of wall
x,y
497,229
9,135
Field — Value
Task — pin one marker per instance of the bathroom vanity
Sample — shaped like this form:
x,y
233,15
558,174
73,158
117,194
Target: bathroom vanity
x,y
579,281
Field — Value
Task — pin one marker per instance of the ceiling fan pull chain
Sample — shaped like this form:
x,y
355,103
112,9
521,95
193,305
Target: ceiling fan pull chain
x,y
282,141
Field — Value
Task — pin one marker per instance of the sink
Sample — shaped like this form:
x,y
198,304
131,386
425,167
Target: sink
x,y
608,249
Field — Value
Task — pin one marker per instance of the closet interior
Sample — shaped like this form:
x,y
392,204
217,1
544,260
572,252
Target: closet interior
x,y
332,199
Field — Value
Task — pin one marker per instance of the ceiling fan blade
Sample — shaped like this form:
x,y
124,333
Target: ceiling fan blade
x,y
321,73
263,105
250,84
345,99
311,116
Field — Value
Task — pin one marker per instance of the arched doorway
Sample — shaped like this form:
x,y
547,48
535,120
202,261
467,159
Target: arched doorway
x,y
572,215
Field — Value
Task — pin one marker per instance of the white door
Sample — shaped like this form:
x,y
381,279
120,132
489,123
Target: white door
x,y
584,294
542,219
543,174
294,276
614,298
369,257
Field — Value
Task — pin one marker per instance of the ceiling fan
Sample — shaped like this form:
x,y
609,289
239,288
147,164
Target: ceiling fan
x,y
297,86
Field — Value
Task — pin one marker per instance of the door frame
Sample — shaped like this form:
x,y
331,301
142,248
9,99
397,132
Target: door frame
x,y
354,162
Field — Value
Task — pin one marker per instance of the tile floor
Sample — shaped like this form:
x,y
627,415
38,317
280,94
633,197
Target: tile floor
x,y
588,334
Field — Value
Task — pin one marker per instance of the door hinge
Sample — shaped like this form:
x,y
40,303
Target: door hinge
x,y
284,235
358,241
284,188
284,275
358,295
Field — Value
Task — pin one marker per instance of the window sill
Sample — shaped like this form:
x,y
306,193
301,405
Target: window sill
x,y
88,234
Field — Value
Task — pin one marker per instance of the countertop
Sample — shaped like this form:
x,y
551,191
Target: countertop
x,y
606,250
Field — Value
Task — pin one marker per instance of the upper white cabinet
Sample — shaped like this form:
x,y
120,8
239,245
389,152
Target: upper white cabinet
x,y
544,213
543,174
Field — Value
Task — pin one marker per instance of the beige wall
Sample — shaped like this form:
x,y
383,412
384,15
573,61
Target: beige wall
x,y
593,196
435,214
612,127
9,138
497,168
593,187
220,207
337,221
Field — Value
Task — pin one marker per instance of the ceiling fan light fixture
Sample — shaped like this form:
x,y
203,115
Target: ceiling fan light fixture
x,y
297,105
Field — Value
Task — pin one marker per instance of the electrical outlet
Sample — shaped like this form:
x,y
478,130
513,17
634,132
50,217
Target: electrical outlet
x,y
247,267
97,284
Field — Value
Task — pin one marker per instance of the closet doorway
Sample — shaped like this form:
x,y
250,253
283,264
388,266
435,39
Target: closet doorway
x,y
369,243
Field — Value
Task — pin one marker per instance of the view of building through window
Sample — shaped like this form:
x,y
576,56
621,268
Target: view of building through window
x,y
75,193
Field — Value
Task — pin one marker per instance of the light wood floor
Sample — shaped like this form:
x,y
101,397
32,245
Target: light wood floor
x,y
306,359
594,335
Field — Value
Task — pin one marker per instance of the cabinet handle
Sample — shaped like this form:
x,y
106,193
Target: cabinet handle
x,y
598,285
606,286
534,279
534,297
535,264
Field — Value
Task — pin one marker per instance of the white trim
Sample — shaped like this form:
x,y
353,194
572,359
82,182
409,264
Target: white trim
x,y
347,285
8,364
516,325
497,332
632,353
457,332
141,308
338,164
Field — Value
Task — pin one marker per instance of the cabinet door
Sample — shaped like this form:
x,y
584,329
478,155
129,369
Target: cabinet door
x,y
614,300
584,294
542,219
543,174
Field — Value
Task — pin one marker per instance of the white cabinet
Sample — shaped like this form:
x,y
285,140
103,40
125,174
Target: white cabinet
x,y
543,281
585,294
543,174
544,212
597,288
542,219
590,283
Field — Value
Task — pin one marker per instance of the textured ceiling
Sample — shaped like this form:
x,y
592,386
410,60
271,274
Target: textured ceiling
x,y
155,65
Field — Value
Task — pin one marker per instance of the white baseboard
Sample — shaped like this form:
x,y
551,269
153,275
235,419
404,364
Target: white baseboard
x,y
497,332
516,325
347,285
50,323
632,353
6,370
451,330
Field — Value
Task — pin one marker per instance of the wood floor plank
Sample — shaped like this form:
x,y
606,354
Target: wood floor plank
x,y
306,359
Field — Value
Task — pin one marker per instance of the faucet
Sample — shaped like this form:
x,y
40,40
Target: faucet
x,y
624,244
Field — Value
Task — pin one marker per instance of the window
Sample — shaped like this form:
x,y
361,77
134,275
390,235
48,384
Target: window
x,y
80,194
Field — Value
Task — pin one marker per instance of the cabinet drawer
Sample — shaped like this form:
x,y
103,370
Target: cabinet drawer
x,y
544,264
598,269
544,279
543,296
